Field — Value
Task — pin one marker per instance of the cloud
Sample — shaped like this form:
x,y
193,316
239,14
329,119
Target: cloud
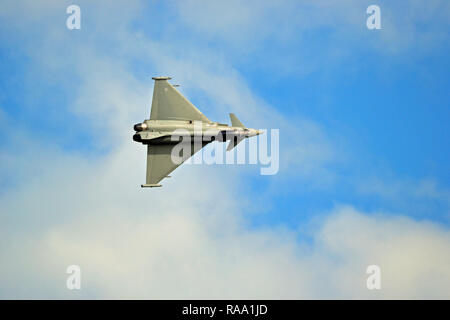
x,y
411,254
195,243
105,92
411,195
291,33
426,188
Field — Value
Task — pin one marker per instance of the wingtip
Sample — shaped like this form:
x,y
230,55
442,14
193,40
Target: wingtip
x,y
150,185
161,78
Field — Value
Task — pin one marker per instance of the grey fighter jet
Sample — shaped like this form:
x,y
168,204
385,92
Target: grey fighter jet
x,y
173,118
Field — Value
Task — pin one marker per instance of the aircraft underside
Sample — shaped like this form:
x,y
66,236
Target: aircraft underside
x,y
171,113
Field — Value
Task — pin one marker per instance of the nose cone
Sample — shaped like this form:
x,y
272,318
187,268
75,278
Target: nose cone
x,y
257,132
254,132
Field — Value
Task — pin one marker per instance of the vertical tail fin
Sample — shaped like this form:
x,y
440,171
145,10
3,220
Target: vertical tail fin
x,y
235,121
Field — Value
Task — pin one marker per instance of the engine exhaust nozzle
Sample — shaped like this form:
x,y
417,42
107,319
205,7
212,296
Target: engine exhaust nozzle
x,y
140,127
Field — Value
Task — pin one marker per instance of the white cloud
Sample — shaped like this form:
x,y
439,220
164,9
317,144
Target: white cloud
x,y
194,243
107,94
411,195
262,28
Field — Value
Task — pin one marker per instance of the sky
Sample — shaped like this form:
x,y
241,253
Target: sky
x,y
364,159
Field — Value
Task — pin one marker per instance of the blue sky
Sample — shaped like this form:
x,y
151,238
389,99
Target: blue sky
x,y
362,116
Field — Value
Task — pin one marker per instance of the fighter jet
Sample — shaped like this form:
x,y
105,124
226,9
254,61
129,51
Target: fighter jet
x,y
173,118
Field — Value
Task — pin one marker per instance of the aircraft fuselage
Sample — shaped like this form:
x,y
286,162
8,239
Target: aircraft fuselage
x,y
172,131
